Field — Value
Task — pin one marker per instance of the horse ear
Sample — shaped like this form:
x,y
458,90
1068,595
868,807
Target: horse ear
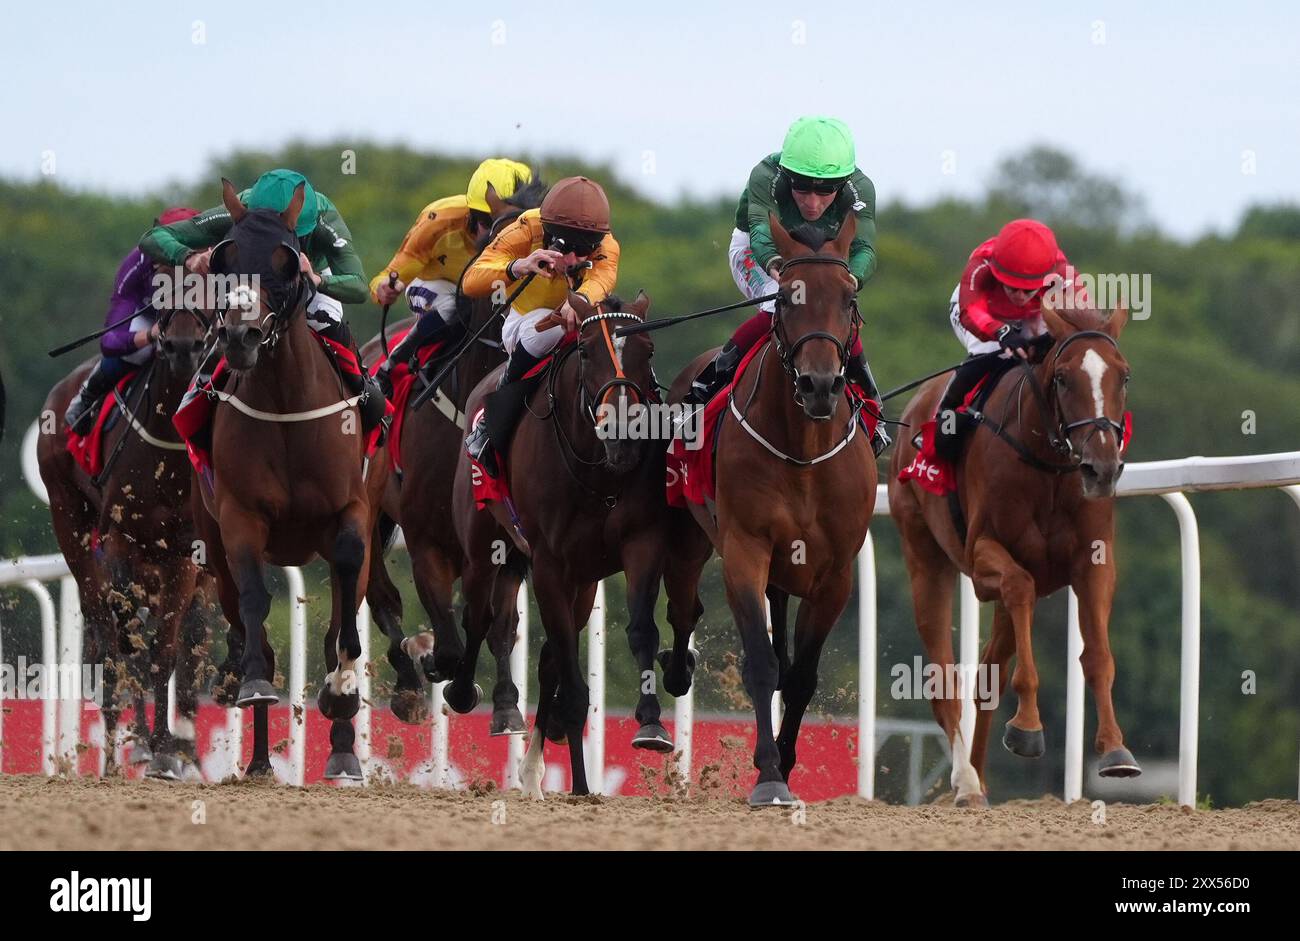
x,y
844,241
581,306
224,257
1115,323
641,305
1057,325
231,200
786,246
290,215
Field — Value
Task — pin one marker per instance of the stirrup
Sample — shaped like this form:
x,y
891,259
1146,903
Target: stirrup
x,y
880,440
84,420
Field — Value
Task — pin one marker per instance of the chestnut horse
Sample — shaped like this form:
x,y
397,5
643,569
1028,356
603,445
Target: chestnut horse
x,y
796,487
127,538
420,501
590,503
1037,496
291,478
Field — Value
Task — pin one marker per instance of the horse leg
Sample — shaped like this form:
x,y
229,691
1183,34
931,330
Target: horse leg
x,y
745,567
557,601
478,582
817,615
997,654
997,574
339,697
533,768
506,717
644,569
575,711
130,647
682,572
408,702
933,576
193,653
244,536
435,575
1094,584
779,606
175,593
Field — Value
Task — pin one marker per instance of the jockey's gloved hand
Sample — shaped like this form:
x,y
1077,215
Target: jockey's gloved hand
x,y
1013,341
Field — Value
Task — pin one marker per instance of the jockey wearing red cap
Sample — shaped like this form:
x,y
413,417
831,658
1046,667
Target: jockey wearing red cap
x,y
997,306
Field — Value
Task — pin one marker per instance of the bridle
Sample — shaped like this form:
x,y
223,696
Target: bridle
x,y
586,402
1049,406
786,350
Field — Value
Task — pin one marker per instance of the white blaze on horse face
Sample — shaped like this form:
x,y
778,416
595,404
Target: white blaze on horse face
x,y
1095,367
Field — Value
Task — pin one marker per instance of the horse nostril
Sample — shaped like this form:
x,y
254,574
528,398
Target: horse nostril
x,y
837,385
805,385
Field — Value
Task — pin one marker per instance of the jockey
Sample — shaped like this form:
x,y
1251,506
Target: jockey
x,y
130,343
997,305
328,256
814,182
436,250
570,230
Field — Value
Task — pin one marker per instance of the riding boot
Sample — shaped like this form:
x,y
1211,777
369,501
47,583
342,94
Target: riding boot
x,y
950,425
858,372
502,411
428,328
80,416
714,376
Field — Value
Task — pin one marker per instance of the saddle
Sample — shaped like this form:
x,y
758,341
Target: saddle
x,y
88,450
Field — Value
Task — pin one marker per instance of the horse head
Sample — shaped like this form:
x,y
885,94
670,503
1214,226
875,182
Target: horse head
x,y
614,373
1088,378
182,328
816,313
261,256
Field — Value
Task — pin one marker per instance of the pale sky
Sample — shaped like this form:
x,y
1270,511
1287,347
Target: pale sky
x,y
1196,105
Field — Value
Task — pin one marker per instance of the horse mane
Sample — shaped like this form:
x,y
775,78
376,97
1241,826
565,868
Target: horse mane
x,y
528,196
805,233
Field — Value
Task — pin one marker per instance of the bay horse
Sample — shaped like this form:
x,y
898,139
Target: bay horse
x,y
796,487
420,502
291,480
590,504
1037,498
126,536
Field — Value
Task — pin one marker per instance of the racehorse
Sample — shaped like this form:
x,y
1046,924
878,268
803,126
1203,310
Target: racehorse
x,y
420,501
590,503
291,477
1035,497
126,535
796,487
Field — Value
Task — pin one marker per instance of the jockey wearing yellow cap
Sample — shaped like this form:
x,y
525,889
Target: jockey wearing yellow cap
x,y
438,247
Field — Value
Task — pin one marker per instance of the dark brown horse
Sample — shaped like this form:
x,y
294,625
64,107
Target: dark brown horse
x,y
291,478
590,502
796,487
1036,487
127,536
420,502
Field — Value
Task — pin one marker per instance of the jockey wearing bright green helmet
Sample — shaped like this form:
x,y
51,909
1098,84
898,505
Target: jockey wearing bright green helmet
x,y
812,183
330,259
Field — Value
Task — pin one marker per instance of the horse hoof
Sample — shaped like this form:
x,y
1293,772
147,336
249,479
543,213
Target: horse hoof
x,y
771,794
454,695
335,707
343,766
1118,763
507,721
256,693
674,683
259,770
166,768
973,801
409,706
1027,743
140,754
653,737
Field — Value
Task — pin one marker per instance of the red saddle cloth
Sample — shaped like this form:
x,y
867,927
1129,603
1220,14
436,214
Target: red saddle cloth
x,y
403,380
88,450
195,411
691,470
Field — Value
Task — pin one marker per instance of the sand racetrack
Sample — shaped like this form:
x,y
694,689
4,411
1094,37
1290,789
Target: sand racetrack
x,y
54,814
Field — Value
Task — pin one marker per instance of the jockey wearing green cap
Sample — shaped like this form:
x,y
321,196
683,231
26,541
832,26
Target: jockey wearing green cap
x,y
329,258
812,183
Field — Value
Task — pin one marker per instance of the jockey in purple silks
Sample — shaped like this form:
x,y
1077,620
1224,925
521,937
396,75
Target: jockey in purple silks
x,y
129,344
